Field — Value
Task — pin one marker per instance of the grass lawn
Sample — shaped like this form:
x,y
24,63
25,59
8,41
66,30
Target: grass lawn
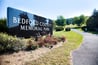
x,y
61,55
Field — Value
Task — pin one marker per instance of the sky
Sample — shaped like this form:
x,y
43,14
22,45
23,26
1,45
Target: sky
x,y
51,8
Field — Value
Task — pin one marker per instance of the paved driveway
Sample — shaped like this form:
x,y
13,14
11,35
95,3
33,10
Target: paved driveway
x,y
87,53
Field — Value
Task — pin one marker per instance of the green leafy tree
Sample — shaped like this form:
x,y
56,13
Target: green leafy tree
x,y
79,20
82,19
3,26
60,21
92,22
76,20
69,21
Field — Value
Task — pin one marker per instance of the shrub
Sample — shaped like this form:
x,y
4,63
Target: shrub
x,y
9,43
67,29
48,45
60,28
4,42
62,39
40,42
50,39
12,43
84,28
31,44
17,44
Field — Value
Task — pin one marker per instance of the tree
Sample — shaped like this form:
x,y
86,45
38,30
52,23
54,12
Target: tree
x,y
79,20
69,21
92,22
3,26
60,21
76,20
82,19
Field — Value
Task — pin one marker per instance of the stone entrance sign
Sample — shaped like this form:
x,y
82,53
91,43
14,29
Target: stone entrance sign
x,y
24,24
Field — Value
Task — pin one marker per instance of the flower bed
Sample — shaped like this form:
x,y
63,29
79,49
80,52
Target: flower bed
x,y
13,44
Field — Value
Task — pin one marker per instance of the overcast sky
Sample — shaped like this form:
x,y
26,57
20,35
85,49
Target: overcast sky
x,y
50,8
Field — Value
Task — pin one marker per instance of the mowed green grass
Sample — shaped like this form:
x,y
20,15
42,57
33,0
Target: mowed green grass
x,y
61,55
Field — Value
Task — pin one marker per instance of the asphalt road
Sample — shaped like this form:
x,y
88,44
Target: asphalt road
x,y
87,53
